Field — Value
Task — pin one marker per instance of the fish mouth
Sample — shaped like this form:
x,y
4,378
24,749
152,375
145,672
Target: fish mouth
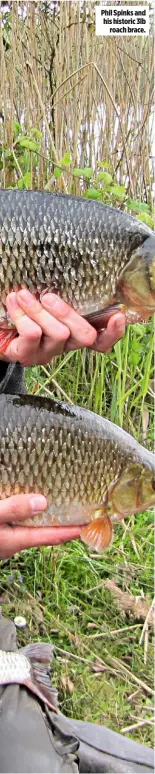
x,y
136,284
134,492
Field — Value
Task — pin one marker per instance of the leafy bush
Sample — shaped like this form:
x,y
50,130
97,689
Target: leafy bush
x,y
100,184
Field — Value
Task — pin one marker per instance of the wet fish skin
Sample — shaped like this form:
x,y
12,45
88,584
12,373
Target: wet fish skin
x,y
92,255
91,471
29,667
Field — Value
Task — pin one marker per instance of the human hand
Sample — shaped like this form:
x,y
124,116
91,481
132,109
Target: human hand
x,y
15,538
50,327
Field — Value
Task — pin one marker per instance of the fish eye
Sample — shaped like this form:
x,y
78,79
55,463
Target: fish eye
x,y
153,483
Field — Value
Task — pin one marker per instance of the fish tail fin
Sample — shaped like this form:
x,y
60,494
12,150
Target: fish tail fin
x,y
38,651
39,655
98,534
6,336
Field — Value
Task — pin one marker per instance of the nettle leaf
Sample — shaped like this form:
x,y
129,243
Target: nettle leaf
x,y
66,159
105,176
106,163
20,184
137,206
87,172
118,191
16,129
93,193
8,153
36,133
146,219
25,181
136,345
135,352
78,172
24,160
57,172
134,358
27,142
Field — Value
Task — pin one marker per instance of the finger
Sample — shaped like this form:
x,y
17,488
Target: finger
x,y
83,333
29,353
47,350
49,325
30,348
25,326
113,333
21,349
106,338
71,345
29,334
14,539
20,507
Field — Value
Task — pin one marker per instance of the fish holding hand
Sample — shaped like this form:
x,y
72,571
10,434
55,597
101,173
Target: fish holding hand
x,y
92,472
99,259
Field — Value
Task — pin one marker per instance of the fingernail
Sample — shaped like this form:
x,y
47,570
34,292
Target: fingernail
x,y
38,503
13,299
25,296
51,300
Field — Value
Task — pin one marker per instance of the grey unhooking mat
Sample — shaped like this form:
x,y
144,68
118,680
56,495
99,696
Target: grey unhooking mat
x,y
34,740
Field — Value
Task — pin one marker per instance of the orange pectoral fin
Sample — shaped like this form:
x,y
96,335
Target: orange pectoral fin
x,y
6,336
98,533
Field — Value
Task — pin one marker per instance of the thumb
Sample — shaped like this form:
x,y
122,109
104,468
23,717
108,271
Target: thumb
x,y
21,507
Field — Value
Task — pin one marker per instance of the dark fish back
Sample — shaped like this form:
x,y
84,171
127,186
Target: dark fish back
x,y
72,245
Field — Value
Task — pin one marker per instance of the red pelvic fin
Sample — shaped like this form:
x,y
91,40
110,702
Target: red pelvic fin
x,y
6,336
98,533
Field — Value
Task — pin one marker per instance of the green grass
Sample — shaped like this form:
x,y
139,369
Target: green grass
x,y
118,385
63,593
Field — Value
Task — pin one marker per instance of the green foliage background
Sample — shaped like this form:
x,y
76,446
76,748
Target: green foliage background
x,y
104,673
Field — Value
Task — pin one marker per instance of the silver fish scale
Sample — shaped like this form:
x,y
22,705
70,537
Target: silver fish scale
x,y
14,667
72,245
66,459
